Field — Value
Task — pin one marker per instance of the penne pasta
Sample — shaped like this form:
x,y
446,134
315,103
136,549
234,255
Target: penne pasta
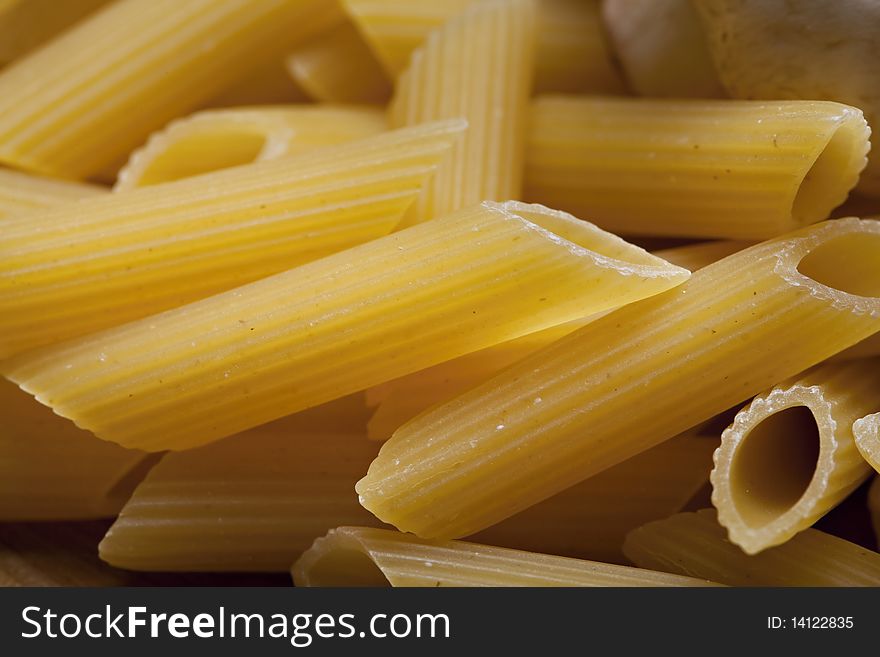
x,y
662,49
50,470
365,556
339,68
26,24
630,380
402,399
867,437
23,192
694,544
219,139
85,99
398,304
720,169
112,259
251,502
268,85
476,66
591,519
790,457
572,52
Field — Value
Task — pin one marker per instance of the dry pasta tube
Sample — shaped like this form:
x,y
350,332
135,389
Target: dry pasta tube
x,y
26,24
218,139
662,48
50,470
867,435
720,169
789,457
339,68
867,348
349,321
108,260
268,85
477,66
401,400
362,556
630,380
88,97
591,519
252,502
572,52
23,192
694,544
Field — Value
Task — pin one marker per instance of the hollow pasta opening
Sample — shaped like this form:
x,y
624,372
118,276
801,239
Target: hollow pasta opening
x,y
833,174
586,235
204,152
774,465
849,263
345,567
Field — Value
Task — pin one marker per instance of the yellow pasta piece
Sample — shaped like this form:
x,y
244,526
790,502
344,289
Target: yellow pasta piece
x,y
25,24
341,324
401,400
50,470
874,506
591,519
867,436
339,68
251,502
269,85
108,260
630,380
219,139
789,457
87,98
363,556
694,544
662,49
22,192
730,169
477,66
572,51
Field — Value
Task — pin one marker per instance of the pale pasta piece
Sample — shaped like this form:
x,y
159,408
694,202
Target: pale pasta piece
x,y
630,380
591,519
85,99
23,192
476,66
721,169
26,24
365,556
694,544
662,49
252,502
339,68
572,52
108,260
349,321
402,399
790,457
219,139
50,470
269,85
867,436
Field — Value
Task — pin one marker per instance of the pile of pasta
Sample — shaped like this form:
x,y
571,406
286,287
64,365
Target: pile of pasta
x,y
441,292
